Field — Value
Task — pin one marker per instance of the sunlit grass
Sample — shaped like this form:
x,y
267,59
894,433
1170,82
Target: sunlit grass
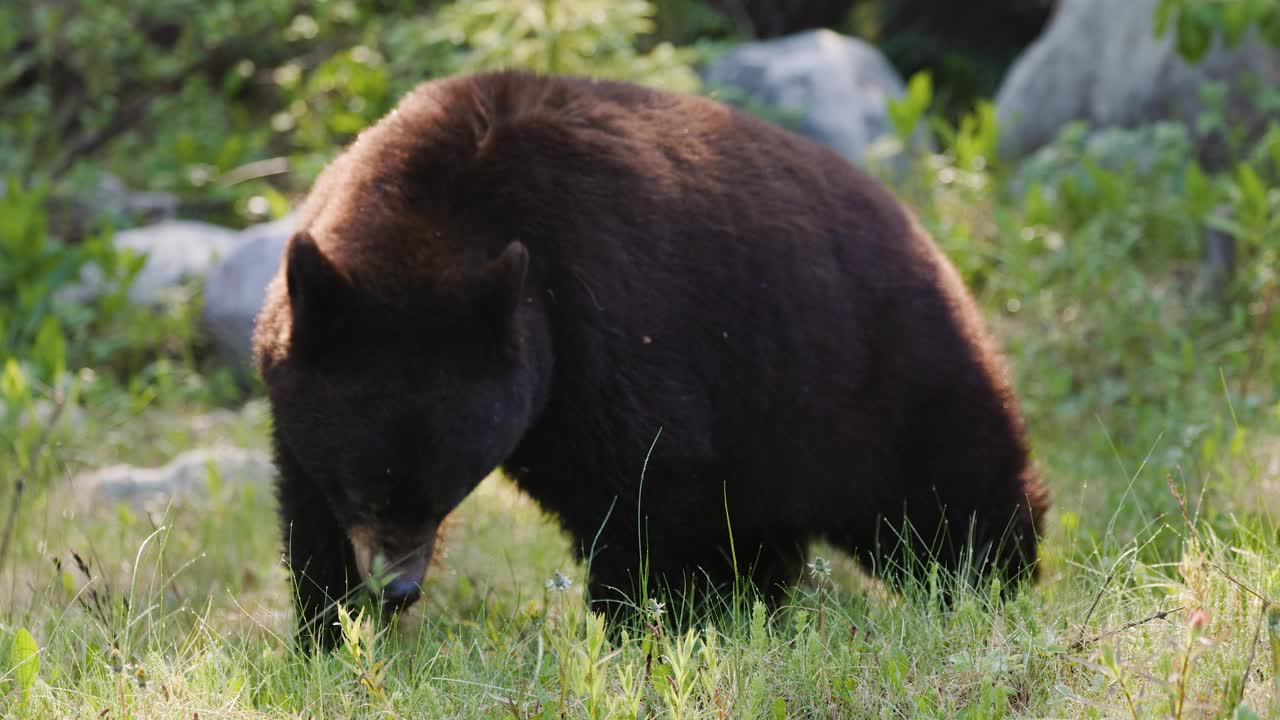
x,y
194,598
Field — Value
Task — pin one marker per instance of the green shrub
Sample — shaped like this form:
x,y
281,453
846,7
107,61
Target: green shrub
x,y
37,328
1087,257
597,37
1197,23
50,327
235,106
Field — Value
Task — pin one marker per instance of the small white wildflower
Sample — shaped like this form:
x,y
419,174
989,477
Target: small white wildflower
x,y
559,582
820,567
655,608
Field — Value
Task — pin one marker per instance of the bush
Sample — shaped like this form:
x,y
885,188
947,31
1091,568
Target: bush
x,y
237,106
1196,23
1088,256
595,37
36,327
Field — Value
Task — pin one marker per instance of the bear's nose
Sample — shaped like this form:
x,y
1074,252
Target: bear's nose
x,y
401,592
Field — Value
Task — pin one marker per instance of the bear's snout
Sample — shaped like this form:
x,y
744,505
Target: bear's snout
x,y
401,593
400,569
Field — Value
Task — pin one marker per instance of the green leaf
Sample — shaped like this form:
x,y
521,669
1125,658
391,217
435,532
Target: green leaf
x,y
1195,35
920,90
779,709
277,201
1273,146
1253,196
1163,12
1269,27
1200,192
50,349
905,113
346,123
14,388
24,660
1236,19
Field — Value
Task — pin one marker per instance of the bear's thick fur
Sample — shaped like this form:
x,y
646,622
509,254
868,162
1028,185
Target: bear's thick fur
x,y
665,319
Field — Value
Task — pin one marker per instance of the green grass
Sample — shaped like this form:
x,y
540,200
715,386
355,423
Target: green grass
x,y
1154,418
207,621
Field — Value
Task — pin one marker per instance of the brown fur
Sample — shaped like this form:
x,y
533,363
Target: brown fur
x,y
580,281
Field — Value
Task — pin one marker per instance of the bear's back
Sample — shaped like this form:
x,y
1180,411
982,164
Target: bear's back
x,y
740,289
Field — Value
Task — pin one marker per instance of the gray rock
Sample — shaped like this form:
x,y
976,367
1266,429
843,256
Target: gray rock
x,y
837,88
177,251
236,288
1099,61
185,476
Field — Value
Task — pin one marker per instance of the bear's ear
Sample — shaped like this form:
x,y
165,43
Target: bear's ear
x,y
496,289
481,115
316,288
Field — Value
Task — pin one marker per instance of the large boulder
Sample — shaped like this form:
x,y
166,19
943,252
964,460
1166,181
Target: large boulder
x,y
234,267
836,88
177,252
235,289
1100,61
186,476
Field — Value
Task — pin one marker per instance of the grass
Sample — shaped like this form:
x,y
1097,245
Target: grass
x,y
1161,557
206,621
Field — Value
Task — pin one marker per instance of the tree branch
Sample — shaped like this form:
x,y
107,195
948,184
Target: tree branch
x,y
1079,644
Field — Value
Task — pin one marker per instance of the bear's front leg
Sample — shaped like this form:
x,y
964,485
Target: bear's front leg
x,y
321,562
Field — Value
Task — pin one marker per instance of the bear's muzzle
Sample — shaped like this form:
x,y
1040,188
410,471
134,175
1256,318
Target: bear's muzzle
x,y
397,568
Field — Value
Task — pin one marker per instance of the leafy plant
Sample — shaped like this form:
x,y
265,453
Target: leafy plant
x,y
586,37
24,662
235,104
37,327
361,656
1196,23
906,113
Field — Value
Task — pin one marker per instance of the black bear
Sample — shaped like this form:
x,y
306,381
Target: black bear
x,y
669,322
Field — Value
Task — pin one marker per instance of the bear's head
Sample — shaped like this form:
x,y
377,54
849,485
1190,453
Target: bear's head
x,y
396,386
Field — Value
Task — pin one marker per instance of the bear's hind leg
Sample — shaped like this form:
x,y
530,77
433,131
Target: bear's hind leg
x,y
777,565
693,576
969,505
